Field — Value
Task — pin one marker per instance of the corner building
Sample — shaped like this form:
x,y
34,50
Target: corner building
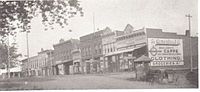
x,y
166,49
172,51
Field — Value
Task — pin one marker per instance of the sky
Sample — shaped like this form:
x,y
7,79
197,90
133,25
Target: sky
x,y
168,15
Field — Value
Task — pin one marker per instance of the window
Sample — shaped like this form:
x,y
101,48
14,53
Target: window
x,y
99,51
99,46
134,35
95,51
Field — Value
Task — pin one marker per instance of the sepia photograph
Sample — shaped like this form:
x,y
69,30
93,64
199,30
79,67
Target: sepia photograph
x,y
98,44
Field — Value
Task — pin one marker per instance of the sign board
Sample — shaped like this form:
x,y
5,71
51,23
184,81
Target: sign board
x,y
165,52
58,62
131,40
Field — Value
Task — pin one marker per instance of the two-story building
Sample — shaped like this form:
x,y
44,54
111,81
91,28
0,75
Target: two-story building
x,y
44,60
37,65
78,65
91,51
129,45
108,44
33,66
167,50
63,61
172,51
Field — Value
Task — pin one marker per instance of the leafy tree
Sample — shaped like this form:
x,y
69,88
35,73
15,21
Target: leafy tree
x,y
13,55
18,14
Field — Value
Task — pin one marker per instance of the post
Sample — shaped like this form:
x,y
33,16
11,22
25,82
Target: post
x,y
27,51
93,45
191,60
104,64
8,63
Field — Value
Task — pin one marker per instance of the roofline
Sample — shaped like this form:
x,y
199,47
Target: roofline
x,y
65,42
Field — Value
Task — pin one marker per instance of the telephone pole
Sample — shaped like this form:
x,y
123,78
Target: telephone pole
x,y
27,50
8,63
93,44
93,51
191,61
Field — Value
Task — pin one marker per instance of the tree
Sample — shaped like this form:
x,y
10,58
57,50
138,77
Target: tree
x,y
18,14
12,53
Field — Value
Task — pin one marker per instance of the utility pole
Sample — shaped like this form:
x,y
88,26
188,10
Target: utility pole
x,y
93,45
93,35
191,61
27,44
8,63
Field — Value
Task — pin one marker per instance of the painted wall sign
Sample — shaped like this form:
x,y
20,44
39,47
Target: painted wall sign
x,y
165,52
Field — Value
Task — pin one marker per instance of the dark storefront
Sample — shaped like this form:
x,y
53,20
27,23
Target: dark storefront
x,y
67,67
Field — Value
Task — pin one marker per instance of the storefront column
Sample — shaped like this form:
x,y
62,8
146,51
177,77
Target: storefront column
x,y
13,74
54,70
19,74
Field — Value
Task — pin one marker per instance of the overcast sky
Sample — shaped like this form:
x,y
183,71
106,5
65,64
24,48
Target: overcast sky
x,y
168,15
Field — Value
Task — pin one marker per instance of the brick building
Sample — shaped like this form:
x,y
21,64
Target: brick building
x,y
63,61
172,52
33,67
77,61
37,65
44,57
184,49
129,45
108,44
91,51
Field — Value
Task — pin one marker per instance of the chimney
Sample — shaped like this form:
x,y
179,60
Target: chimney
x,y
61,40
187,33
42,49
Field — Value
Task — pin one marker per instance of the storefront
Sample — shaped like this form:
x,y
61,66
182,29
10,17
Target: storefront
x,y
68,67
77,66
123,60
92,66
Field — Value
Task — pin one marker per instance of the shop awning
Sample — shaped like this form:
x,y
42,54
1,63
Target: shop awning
x,y
127,50
91,60
15,69
130,57
61,62
143,58
58,62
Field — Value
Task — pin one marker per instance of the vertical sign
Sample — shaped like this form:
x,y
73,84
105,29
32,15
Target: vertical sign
x,y
165,52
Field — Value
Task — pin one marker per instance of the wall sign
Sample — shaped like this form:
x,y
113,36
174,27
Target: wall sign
x,y
165,52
